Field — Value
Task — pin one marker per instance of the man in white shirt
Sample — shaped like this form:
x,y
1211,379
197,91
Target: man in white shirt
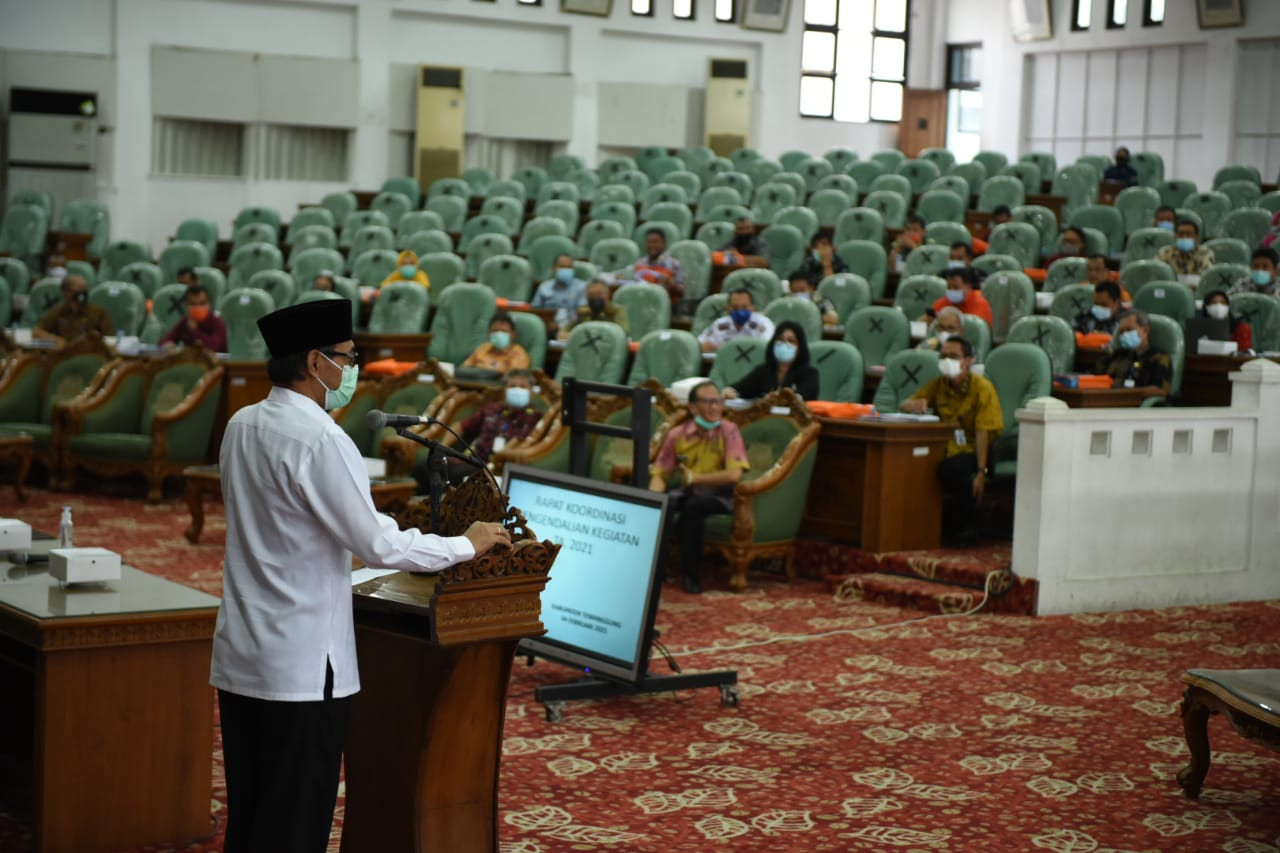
x,y
743,322
297,500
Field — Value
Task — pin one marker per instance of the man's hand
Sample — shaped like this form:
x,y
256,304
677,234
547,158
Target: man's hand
x,y
487,535
979,485
686,475
825,252
915,407
730,393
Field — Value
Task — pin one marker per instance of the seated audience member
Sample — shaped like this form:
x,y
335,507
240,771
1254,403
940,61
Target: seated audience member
x,y
822,260
802,286
500,352
600,308
1262,275
1217,305
709,454
187,276
1166,219
564,291
407,271
55,266
73,316
786,365
743,321
490,429
1071,244
201,327
1133,362
1096,272
656,267
1000,214
1188,258
1101,317
950,324
912,236
1121,172
963,295
971,401
323,281
747,244
961,255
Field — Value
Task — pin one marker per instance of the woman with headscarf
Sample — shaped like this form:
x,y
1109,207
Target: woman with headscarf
x,y
407,270
1217,306
786,365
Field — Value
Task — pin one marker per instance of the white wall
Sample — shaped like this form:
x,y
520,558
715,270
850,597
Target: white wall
x,y
1209,98
1142,508
106,45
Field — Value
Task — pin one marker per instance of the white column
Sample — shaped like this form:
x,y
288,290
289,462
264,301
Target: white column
x,y
127,196
1257,387
369,154
1043,457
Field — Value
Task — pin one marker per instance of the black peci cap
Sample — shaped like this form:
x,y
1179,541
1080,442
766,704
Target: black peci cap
x,y
306,326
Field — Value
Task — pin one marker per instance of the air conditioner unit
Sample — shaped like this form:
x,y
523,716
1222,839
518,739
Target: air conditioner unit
x,y
52,143
438,140
728,106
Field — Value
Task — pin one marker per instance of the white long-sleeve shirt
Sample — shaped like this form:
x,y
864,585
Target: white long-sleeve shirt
x,y
297,499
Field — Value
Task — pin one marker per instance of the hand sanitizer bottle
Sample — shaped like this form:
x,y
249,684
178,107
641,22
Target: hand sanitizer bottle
x,y
65,529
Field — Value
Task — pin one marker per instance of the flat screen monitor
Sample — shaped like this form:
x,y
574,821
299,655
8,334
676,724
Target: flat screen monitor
x,y
599,604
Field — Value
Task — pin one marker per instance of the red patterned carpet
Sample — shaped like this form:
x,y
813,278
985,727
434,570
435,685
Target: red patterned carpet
x,y
861,726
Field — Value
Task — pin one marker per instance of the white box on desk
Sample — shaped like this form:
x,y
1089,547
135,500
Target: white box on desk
x,y
1204,346
15,535
84,565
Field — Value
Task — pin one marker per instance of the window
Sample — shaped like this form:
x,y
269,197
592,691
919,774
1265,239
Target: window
x,y
182,146
853,56
1082,16
642,7
964,99
727,11
1117,14
294,153
1153,16
682,9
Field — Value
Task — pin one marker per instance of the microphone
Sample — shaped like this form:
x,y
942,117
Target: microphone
x,y
376,419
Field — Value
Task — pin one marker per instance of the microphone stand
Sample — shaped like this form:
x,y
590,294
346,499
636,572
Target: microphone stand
x,y
436,465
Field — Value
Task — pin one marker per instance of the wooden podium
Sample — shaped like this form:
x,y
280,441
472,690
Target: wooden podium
x,y
435,654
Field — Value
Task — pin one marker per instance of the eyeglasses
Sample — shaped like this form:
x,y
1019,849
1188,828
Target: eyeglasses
x,y
709,401
351,357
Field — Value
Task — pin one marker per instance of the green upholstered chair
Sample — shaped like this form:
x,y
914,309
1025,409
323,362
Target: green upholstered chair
x,y
412,190
635,180
927,259
1065,271
710,197
413,392
801,218
877,332
443,269
769,199
1174,191
593,232
666,356
904,373
1019,239
1001,189
483,248
710,309
623,213
920,173
1021,373
241,309
787,247
659,168
425,242
648,308
509,276
1106,219
839,181
611,167
1211,207
146,276
1230,250
153,417
695,262
917,293
248,260
1145,243
1137,206
846,291
765,286
36,198
125,303
729,213
587,183
451,209
841,158
556,190
480,224
978,333
956,183
867,259
1166,336
1262,313
866,171
16,274
6,313
34,383
1134,275
23,231
400,309
940,157
256,213
1070,301
891,206
993,262
859,223
613,254
596,352
531,333
736,359
713,235
87,216
1270,201
1043,160
168,306
1226,174
455,187
769,500
1249,224
254,232
941,206
801,311
311,237
341,204
829,203
178,254
311,262
395,205
563,209
762,170
688,181
42,298
897,184
974,173
992,161
1166,298
416,221
1241,193
1150,168
1043,218
1027,173
840,370
674,213
461,321
1012,297
544,251
370,268
278,283
539,227
509,210
813,171
946,233
1051,334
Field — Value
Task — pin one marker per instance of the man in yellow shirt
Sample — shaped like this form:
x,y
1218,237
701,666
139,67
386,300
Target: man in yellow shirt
x,y
970,401
500,352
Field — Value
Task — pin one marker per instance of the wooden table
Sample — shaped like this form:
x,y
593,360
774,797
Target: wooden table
x,y
243,383
389,494
719,272
1205,379
108,712
17,450
1100,398
875,484
1248,698
375,346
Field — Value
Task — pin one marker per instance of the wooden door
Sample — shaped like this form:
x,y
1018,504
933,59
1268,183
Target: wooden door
x,y
924,121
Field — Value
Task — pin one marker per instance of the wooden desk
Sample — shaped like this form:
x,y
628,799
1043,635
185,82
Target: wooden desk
x,y
1248,698
375,346
720,271
1205,379
74,245
1087,359
244,383
978,222
108,711
875,484
17,450
1100,398
1053,202
1108,190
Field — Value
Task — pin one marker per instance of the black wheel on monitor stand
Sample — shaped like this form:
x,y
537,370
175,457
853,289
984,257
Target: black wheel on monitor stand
x,y
729,696
554,711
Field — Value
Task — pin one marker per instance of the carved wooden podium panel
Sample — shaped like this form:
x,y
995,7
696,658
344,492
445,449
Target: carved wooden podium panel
x,y
435,655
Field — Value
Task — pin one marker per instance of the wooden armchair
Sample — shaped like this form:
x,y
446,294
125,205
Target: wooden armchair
x,y
768,502
154,417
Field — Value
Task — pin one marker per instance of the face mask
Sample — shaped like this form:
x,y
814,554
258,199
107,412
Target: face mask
x,y
564,275
1069,250
517,397
1217,310
199,313
336,398
500,340
949,367
1101,312
1165,225
408,271
955,265
1129,340
1185,244
81,298
1260,277
596,304
943,337
955,296
740,316
784,351
56,273
704,423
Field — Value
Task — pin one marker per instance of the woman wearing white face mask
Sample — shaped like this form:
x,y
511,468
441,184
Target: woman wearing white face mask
x,y
786,365
1217,306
